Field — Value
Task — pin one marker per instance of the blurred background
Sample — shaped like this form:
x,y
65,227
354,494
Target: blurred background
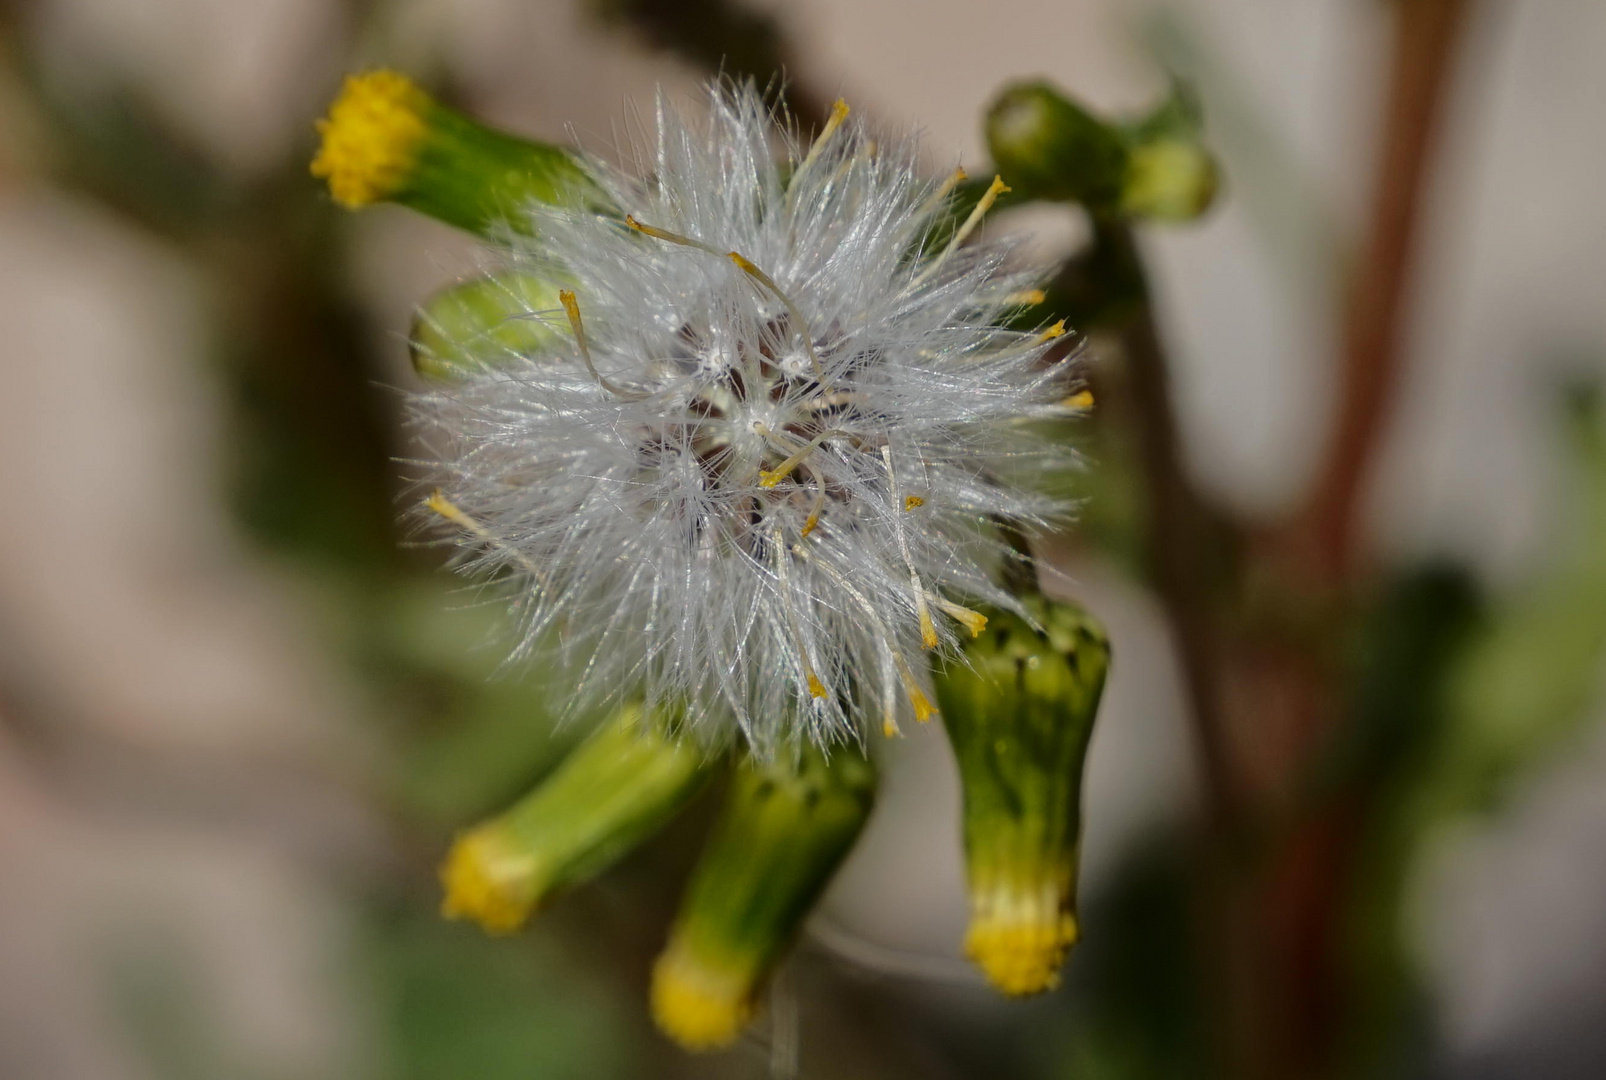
x,y
1346,520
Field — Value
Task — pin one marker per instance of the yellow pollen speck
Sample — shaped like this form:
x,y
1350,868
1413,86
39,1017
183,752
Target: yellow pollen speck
x,y
1021,957
1055,331
912,501
488,882
698,1007
440,504
371,137
1082,399
1029,297
816,687
945,189
839,114
665,234
974,621
985,203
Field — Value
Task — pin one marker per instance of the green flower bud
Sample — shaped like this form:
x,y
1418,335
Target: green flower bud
x,y
612,792
1047,147
385,139
478,324
1019,718
1169,179
783,831
1171,175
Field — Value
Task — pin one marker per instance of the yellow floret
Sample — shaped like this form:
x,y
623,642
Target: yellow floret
x,y
489,881
370,140
698,1006
1020,943
1021,959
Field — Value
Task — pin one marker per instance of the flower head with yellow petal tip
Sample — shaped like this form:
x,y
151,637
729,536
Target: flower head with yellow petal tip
x,y
617,787
371,137
1020,719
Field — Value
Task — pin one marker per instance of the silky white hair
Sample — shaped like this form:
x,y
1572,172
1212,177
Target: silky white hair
x,y
766,455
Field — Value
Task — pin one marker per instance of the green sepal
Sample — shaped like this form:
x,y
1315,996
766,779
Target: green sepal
x,y
781,835
482,324
479,179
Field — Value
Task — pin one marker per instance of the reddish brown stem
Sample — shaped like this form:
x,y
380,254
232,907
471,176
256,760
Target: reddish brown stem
x,y
1423,47
1301,906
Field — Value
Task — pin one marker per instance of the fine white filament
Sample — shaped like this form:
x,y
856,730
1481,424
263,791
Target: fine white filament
x,y
760,470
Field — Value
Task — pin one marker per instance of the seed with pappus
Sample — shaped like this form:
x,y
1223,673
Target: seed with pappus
x,y
759,467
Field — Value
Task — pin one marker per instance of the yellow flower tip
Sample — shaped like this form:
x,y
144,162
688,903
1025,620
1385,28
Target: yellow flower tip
x,y
699,1007
371,137
922,705
1021,958
912,501
768,479
1082,399
488,882
816,687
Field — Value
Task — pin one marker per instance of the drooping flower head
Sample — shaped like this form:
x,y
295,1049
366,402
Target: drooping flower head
x,y
758,468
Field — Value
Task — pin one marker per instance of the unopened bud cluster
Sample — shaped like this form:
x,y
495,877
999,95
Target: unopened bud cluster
x,y
1048,147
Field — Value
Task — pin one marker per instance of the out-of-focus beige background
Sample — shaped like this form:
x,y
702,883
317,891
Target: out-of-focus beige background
x,y
197,803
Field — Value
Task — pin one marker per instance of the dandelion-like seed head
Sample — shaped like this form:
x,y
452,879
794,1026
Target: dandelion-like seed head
x,y
760,470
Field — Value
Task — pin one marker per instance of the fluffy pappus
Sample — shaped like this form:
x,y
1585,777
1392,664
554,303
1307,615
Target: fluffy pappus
x,y
758,473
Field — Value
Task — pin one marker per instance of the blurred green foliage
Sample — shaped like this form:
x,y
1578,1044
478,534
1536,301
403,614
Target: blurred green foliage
x,y
1530,680
457,1005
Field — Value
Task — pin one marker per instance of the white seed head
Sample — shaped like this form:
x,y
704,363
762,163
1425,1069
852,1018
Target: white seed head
x,y
761,469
